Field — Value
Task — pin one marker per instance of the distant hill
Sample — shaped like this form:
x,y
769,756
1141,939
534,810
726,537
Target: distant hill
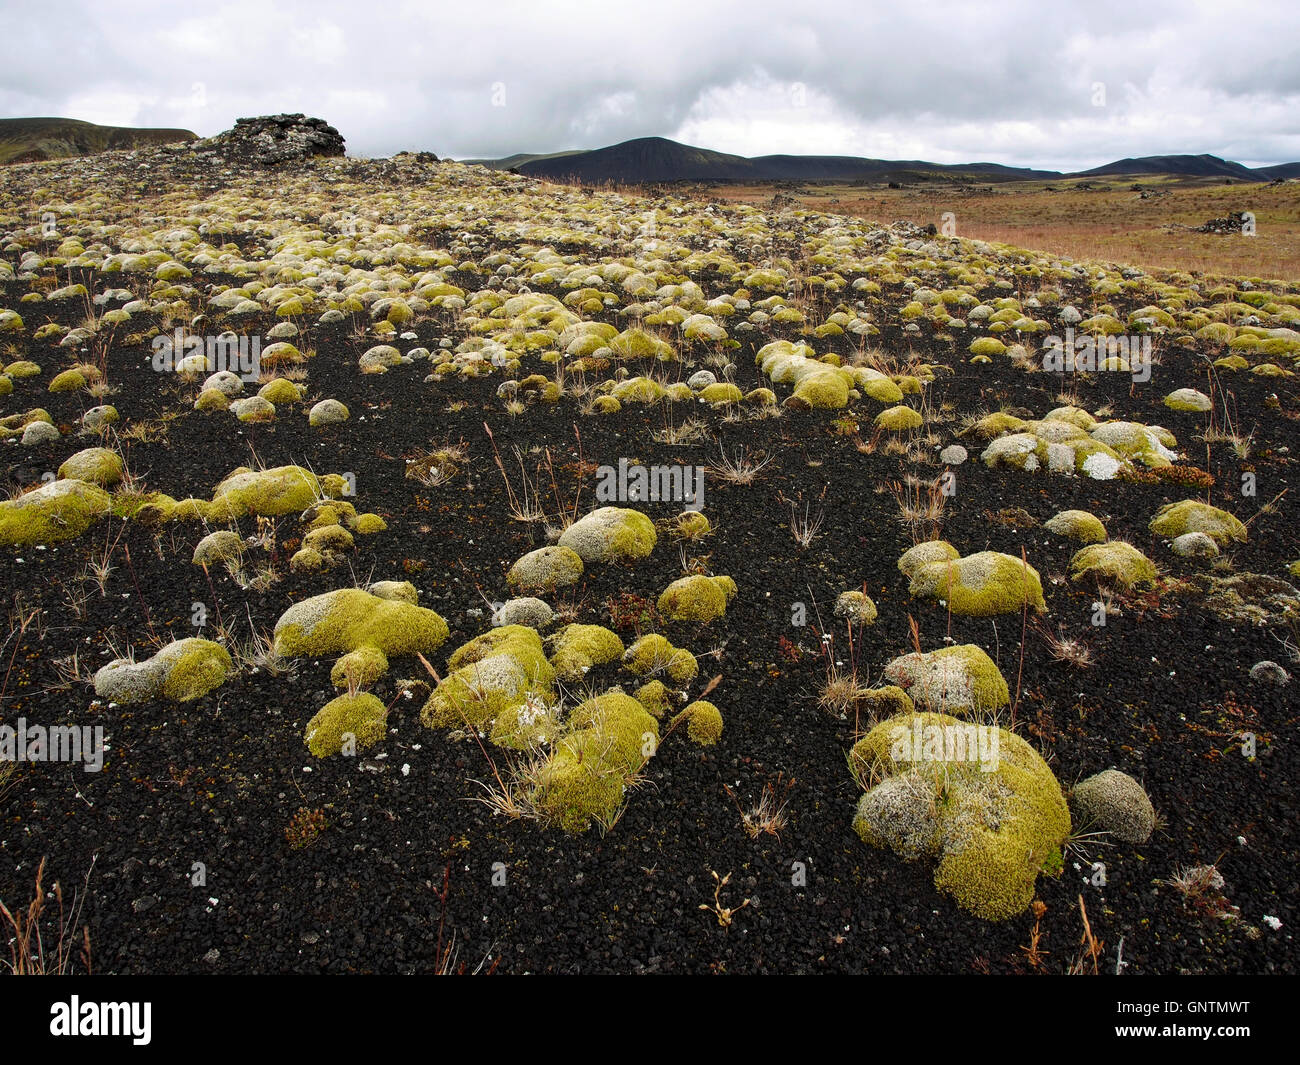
x,y
1181,165
31,140
1282,170
518,159
656,160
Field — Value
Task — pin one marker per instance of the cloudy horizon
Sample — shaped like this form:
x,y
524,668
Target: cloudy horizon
x,y
1051,89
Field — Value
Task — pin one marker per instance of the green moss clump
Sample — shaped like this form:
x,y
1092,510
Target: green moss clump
x,y
961,680
654,654
343,620
655,697
981,585
1077,525
585,778
1175,519
987,346
281,390
182,671
1114,802
923,554
359,669
978,799
761,397
856,607
68,381
610,534
697,598
328,539
577,648
703,722
492,673
638,344
639,390
369,524
271,492
823,389
898,419
53,513
224,545
212,399
97,465
363,718
1116,562
546,569
721,392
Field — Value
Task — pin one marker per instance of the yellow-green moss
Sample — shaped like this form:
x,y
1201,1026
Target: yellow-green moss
x,y
362,717
610,534
1115,562
588,771
577,648
981,585
721,392
1175,519
898,419
68,381
271,492
182,671
654,654
655,697
992,825
97,465
1077,525
703,722
489,674
697,598
545,569
53,513
343,620
360,668
961,680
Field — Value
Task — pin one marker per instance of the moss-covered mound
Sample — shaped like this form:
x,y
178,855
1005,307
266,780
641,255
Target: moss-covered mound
x,y
981,585
348,724
545,570
492,673
978,799
577,648
610,738
348,619
697,598
53,513
961,680
1077,525
1114,802
610,534
182,671
703,722
1115,562
1176,519
654,655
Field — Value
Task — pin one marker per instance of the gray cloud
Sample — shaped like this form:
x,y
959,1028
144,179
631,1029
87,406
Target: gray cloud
x,y
1017,83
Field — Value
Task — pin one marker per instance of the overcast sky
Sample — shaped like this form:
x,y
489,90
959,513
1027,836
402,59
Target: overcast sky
x,y
1041,84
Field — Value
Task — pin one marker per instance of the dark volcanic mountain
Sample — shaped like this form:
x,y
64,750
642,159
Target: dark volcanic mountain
x,y
653,160
1182,165
31,140
657,159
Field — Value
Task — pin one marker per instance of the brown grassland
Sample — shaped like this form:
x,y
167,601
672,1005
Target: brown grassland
x,y
1109,221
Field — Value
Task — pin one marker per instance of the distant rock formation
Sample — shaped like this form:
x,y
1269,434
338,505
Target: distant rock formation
x,y
273,139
